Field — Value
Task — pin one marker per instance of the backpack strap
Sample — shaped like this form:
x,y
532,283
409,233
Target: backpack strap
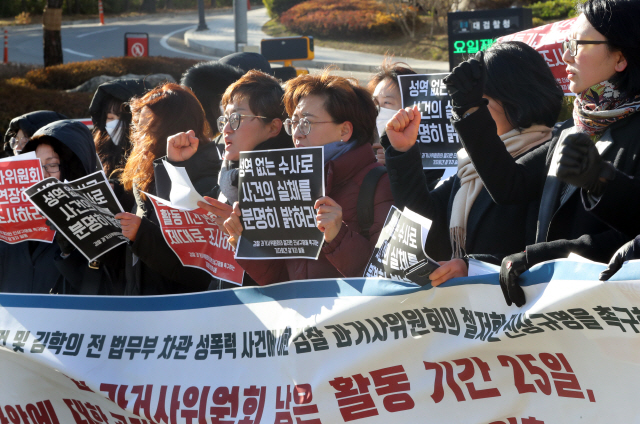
x,y
366,197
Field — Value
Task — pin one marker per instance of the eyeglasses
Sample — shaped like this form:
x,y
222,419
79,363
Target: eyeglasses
x,y
572,45
303,124
18,142
234,120
51,168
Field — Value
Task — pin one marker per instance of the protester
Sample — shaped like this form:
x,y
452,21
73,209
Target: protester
x,y
563,224
337,114
465,218
252,120
23,127
67,152
160,113
606,77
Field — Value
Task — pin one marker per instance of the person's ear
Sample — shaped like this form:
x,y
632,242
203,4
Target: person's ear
x,y
346,131
275,126
621,63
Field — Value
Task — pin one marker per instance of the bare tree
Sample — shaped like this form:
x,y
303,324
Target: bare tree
x,y
51,38
404,13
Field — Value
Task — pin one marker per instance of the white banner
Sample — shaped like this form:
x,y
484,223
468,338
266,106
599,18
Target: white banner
x,y
331,351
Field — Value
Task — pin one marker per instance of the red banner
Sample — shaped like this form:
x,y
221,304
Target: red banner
x,y
547,40
198,242
19,219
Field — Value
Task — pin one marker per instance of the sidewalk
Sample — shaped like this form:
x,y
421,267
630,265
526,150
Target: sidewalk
x,y
219,41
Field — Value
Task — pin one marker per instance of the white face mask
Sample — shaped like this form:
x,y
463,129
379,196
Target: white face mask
x,y
113,133
384,116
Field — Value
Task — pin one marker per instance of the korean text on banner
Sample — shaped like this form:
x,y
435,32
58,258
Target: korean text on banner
x,y
277,193
197,241
437,139
79,216
331,351
19,219
547,40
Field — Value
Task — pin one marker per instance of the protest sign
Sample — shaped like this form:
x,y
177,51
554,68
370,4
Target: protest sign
x,y
90,227
331,351
96,187
437,139
547,40
277,193
19,219
400,245
197,241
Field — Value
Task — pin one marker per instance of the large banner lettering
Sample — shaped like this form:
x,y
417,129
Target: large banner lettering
x,y
331,351
19,219
197,241
277,193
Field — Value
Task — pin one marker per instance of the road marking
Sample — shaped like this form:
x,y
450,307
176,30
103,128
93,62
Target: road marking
x,y
164,43
97,32
77,53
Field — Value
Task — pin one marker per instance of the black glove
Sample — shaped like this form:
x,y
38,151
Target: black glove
x,y
465,84
65,245
581,165
511,268
628,251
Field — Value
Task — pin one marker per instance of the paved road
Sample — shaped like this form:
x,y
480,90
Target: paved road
x,y
87,41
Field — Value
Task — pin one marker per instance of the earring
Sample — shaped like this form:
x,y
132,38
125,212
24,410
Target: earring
x,y
342,141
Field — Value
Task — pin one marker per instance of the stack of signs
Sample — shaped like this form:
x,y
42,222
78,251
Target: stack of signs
x,y
277,193
19,219
437,139
400,245
197,241
82,211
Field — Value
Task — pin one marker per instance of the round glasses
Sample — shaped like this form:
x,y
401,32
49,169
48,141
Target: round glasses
x,y
18,143
303,124
234,120
572,45
51,168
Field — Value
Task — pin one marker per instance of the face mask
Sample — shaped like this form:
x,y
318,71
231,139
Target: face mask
x,y
113,133
384,116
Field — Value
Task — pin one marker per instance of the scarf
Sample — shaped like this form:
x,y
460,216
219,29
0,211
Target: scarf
x,y
228,182
601,105
333,151
517,142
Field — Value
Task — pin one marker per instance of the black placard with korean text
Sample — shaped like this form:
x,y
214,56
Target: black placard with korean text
x,y
277,193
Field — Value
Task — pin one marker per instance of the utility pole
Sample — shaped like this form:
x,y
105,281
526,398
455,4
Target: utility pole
x,y
240,19
202,25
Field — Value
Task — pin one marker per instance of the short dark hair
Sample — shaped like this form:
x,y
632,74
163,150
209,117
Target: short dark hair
x,y
262,91
208,81
618,21
520,79
389,70
345,101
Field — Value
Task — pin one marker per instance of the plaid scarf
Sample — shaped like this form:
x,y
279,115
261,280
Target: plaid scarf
x,y
601,105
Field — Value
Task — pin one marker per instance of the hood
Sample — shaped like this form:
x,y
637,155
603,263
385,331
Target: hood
x,y
121,89
73,135
248,61
29,123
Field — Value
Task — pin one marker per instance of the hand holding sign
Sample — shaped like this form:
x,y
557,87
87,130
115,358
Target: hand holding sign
x,y
222,211
329,217
402,129
130,224
233,226
448,269
182,146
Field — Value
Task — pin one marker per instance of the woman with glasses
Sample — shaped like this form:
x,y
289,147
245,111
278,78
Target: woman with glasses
x,y
23,127
337,114
593,165
465,219
66,151
252,120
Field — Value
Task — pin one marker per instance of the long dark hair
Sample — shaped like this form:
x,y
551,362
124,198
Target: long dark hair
x,y
112,156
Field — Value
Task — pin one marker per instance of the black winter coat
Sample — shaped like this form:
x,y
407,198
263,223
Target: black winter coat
x,y
563,224
493,231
